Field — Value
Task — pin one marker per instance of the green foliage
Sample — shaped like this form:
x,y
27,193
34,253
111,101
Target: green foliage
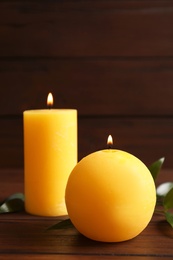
x,y
164,192
168,206
155,168
62,225
14,203
168,200
169,218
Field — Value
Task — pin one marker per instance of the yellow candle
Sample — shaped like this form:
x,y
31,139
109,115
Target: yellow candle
x,y
110,196
50,153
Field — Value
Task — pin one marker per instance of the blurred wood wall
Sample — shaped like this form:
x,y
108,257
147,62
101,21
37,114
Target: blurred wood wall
x,y
111,60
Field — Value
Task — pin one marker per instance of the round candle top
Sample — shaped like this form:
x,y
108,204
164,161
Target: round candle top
x,y
50,111
110,196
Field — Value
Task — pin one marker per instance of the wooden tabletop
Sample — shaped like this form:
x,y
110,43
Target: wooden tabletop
x,y
25,236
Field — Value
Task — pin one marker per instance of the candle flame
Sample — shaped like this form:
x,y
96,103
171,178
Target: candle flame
x,y
50,100
110,141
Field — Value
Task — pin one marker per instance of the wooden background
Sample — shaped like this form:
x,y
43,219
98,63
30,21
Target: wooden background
x,y
111,60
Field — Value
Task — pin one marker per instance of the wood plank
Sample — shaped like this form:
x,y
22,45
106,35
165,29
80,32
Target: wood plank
x,y
76,257
29,237
147,138
73,28
11,142
93,86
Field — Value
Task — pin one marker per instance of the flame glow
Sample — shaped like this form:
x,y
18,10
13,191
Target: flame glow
x,y
110,141
50,100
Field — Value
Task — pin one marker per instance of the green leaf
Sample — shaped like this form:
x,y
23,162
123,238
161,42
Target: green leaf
x,y
169,218
64,224
164,188
156,167
14,203
168,200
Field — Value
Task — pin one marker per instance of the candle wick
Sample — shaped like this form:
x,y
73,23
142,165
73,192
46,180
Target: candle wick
x,y
109,146
49,106
109,142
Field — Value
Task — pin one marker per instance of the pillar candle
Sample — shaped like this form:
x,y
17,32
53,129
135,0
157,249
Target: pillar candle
x,y
50,153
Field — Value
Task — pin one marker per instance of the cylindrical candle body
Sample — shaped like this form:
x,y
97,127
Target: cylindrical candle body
x,y
50,153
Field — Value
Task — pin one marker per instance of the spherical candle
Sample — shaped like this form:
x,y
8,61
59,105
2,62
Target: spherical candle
x,y
110,196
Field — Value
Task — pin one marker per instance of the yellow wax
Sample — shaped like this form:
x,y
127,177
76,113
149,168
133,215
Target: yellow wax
x,y
110,196
50,153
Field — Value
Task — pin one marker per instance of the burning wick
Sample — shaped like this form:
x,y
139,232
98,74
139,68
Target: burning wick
x,y
109,142
50,100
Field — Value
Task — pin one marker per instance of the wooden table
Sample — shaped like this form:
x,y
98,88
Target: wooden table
x,y
23,236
